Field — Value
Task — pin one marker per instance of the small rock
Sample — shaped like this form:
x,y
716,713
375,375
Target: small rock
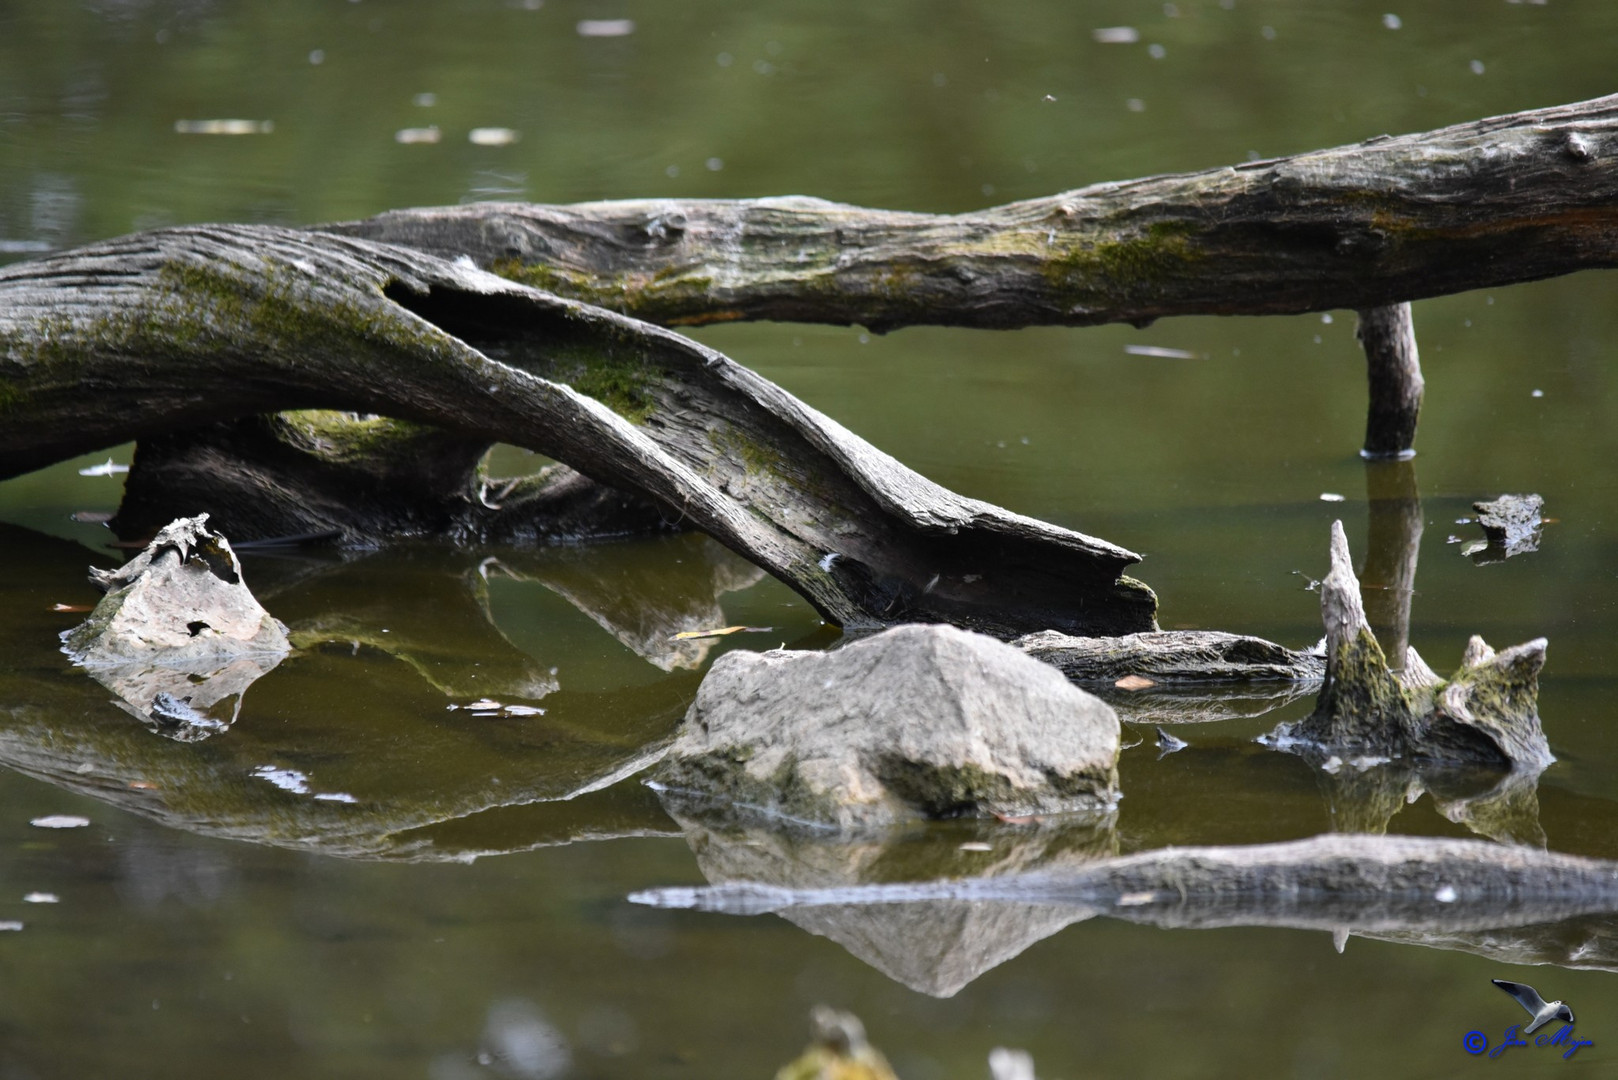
x,y
1511,525
917,721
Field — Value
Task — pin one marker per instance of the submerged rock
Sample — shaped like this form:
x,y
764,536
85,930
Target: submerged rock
x,y
178,632
1511,526
917,721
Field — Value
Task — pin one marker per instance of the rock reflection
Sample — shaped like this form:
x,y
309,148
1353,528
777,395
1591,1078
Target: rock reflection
x,y
936,946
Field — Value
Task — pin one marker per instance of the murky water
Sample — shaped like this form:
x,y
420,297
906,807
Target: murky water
x,y
464,915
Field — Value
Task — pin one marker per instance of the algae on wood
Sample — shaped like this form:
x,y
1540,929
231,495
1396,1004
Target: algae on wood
x,y
1486,713
1377,223
179,327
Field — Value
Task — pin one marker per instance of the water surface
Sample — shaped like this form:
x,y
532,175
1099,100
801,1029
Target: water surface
x,y
461,917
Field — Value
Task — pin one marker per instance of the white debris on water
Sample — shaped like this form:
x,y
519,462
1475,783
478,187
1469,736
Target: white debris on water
x,y
224,127
40,898
605,27
417,135
286,779
1161,351
106,468
1332,496
1116,35
60,821
492,136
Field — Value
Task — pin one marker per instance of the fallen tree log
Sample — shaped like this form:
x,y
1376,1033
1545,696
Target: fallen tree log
x,y
1382,883
174,328
1509,199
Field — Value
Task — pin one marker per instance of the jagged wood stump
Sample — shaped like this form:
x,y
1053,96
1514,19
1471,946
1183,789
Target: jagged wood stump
x,y
1486,713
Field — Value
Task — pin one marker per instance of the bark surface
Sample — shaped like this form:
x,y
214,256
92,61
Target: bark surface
x,y
174,328
1507,199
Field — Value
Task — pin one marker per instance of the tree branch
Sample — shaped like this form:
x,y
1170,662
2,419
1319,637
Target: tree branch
x,y
1493,202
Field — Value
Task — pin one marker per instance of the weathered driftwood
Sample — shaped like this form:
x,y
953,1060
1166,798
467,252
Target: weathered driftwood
x,y
1388,220
1487,712
1173,656
178,633
1393,372
173,328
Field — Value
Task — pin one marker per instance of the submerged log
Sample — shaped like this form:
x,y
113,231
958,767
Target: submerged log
x,y
1382,883
1377,223
1487,712
178,327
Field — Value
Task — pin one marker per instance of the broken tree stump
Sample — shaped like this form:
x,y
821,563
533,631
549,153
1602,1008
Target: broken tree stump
x,y
1486,713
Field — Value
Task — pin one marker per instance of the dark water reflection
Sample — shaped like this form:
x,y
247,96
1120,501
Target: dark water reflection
x,y
176,947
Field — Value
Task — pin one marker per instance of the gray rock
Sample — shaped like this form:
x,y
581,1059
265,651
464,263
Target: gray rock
x,y
918,721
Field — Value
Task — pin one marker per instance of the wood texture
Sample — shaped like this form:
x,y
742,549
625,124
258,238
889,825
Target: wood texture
x,y
1508,199
174,328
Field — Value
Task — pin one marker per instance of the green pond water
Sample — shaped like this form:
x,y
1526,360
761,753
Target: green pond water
x,y
461,911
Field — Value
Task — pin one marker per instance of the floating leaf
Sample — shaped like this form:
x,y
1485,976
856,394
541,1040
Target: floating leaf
x,y
685,635
1134,682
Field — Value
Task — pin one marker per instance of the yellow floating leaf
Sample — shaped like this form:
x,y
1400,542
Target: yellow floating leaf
x,y
1133,682
686,635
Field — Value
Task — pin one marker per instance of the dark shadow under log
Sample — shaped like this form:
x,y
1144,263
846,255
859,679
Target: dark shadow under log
x,y
359,481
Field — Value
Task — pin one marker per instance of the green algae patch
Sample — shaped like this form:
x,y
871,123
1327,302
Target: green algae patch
x,y
1127,265
624,385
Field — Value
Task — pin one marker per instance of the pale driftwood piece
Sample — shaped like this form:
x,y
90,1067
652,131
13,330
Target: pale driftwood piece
x,y
1383,883
1487,713
177,327
1378,223
1393,372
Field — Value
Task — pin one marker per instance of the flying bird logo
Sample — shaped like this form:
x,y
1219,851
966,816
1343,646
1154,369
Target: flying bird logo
x,y
1541,1010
